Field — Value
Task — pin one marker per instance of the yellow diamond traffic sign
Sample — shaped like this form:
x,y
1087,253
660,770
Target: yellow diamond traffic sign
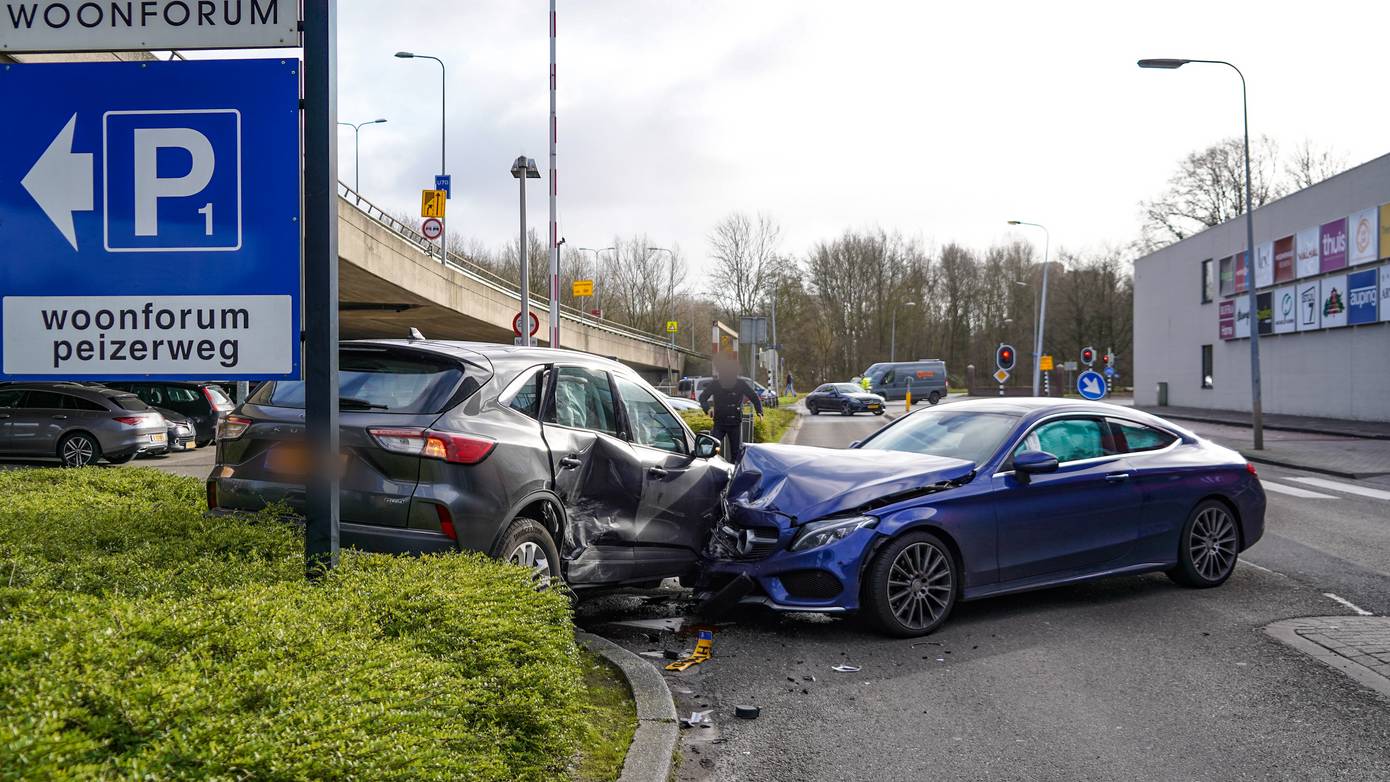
x,y
432,203
672,327
1001,375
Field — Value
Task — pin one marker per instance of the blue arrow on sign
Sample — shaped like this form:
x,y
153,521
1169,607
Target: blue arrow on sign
x,y
1090,385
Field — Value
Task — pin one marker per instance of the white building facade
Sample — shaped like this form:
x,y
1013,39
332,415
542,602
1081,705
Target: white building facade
x,y
1321,271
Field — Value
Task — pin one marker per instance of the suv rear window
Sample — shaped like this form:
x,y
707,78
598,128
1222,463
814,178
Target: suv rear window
x,y
218,397
378,380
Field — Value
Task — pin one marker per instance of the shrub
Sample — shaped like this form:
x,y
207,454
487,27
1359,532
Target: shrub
x,y
443,667
767,429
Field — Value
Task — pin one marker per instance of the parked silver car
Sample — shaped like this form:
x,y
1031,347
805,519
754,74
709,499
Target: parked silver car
x,y
77,424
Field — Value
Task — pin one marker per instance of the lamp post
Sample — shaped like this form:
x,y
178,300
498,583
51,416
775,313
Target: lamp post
x,y
1256,406
1042,307
443,134
893,333
356,157
597,254
670,291
524,168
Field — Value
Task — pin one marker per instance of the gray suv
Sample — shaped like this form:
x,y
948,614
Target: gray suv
x,y
559,461
77,424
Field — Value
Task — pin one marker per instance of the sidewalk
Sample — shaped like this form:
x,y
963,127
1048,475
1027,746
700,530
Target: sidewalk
x,y
1374,430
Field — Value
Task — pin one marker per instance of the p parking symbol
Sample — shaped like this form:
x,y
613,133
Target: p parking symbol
x,y
172,180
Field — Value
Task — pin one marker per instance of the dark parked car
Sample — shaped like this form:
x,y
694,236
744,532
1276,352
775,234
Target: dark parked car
x,y
982,498
560,461
182,432
77,424
203,403
843,398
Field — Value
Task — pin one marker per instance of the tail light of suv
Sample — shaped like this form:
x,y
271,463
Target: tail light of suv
x,y
232,427
432,444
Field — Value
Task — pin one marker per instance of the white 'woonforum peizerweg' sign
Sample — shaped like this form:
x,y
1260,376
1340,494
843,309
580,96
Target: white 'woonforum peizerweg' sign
x,y
133,25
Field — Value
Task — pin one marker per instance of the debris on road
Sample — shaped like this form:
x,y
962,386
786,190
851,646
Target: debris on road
x,y
697,718
845,668
747,712
704,649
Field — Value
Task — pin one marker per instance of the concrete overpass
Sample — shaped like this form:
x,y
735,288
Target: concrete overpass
x,y
391,278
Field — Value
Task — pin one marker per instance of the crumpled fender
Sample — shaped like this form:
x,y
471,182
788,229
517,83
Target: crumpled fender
x,y
806,483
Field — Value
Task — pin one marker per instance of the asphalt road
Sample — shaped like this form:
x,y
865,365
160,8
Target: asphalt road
x,y
1128,678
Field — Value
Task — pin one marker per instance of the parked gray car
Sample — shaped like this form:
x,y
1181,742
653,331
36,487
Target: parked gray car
x,y
77,424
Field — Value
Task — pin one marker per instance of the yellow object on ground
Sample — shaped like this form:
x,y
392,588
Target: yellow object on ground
x,y
704,646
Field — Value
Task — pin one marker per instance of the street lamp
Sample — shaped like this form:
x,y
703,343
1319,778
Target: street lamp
x,y
443,115
597,254
1256,406
1042,307
356,158
893,333
524,168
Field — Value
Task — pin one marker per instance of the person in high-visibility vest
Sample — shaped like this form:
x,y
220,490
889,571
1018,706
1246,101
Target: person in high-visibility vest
x,y
865,383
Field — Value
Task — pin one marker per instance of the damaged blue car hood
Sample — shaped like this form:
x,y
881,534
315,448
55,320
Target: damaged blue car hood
x,y
805,483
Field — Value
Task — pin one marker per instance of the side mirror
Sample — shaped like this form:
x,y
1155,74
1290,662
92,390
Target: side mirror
x,y
707,447
1030,463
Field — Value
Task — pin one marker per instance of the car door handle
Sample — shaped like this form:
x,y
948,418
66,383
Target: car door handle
x,y
657,472
570,462
1117,477
61,417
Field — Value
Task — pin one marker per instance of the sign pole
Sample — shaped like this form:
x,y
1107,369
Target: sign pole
x,y
554,191
321,284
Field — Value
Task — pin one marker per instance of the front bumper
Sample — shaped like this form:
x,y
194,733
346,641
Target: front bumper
x,y
824,579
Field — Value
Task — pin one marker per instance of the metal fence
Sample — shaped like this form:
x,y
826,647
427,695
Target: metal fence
x,y
487,277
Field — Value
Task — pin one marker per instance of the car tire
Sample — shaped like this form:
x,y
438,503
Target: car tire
x,y
815,410
79,450
934,397
845,409
529,545
911,586
1208,548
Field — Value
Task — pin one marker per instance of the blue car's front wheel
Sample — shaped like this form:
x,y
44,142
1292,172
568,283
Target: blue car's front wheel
x,y
910,587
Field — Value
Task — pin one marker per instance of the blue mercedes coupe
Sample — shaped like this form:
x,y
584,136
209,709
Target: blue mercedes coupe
x,y
979,498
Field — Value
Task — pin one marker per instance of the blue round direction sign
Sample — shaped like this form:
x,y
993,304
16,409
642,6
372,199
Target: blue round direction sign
x,y
1109,371
1090,385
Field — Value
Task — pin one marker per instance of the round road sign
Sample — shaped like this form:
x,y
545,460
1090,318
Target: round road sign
x,y
535,324
432,228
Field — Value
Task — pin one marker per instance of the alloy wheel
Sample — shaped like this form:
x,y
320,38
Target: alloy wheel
x,y
1212,543
532,557
920,584
78,452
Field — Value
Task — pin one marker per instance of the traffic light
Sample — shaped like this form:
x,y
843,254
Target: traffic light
x,y
1088,356
1106,359
1004,357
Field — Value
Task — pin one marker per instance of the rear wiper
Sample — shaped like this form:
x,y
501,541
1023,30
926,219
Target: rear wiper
x,y
358,404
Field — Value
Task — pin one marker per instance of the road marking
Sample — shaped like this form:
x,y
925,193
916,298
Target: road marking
x,y
1349,488
1261,567
1354,607
1294,491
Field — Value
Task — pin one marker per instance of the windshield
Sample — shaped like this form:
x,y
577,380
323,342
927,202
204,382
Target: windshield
x,y
971,436
378,381
847,388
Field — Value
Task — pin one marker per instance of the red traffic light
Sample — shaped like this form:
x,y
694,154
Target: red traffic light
x,y
1088,356
1004,357
1105,360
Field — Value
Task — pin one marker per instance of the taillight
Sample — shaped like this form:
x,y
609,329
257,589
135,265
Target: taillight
x,y
446,521
1250,468
232,427
430,444
129,420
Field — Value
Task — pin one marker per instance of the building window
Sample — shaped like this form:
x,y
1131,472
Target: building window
x,y
1208,281
1206,366
1227,269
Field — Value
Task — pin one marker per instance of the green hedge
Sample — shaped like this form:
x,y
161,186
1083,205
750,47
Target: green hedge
x,y
767,429
140,640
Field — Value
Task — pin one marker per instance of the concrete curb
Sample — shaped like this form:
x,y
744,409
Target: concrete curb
x,y
789,436
1225,421
1262,458
649,756
1286,632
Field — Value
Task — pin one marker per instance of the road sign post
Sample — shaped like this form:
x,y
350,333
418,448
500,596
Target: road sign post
x,y
321,284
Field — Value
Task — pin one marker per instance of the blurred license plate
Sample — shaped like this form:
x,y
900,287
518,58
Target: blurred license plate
x,y
158,438
873,407
293,460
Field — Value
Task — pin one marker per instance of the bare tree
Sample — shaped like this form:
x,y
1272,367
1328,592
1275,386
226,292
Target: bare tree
x,y
1209,188
1310,164
641,284
743,256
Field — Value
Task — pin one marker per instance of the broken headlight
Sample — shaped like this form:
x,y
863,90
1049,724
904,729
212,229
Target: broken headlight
x,y
827,531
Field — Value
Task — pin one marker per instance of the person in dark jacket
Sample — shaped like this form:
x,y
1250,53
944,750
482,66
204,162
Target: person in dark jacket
x,y
722,399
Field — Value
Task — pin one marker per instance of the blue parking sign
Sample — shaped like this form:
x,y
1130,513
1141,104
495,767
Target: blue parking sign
x,y
149,220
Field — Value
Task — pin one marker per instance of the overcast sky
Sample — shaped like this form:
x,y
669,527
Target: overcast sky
x,y
938,120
